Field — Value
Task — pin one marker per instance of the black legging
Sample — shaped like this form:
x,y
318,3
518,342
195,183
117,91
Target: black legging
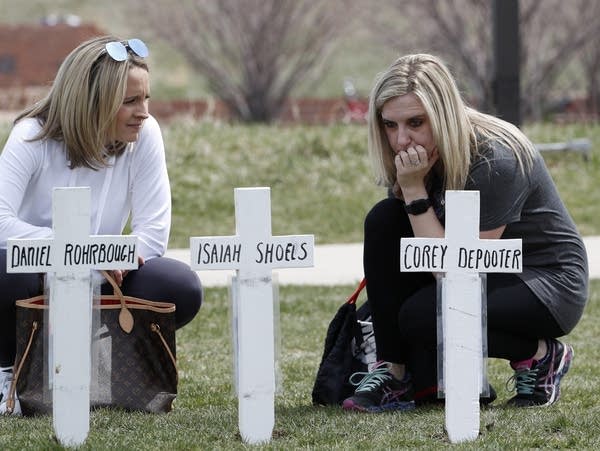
x,y
404,304
159,279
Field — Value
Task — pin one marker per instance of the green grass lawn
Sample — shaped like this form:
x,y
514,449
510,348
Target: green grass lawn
x,y
321,184
205,416
320,177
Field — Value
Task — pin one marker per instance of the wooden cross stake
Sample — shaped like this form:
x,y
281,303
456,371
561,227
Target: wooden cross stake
x,y
461,255
69,256
253,253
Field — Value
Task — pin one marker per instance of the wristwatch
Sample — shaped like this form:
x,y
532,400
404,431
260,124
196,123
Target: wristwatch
x,y
417,207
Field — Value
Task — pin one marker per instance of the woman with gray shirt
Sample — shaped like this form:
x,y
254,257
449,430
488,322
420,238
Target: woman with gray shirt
x,y
424,140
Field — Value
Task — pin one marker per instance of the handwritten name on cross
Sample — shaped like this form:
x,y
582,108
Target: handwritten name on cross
x,y
70,255
253,253
461,255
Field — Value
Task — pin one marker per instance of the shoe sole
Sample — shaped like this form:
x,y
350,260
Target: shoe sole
x,y
390,407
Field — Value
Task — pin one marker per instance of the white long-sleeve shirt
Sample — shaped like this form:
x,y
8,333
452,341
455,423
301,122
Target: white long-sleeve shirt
x,y
136,183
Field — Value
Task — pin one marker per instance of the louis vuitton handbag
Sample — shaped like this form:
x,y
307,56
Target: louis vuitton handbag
x,y
133,353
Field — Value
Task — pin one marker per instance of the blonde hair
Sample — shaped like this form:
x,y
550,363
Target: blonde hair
x,y
457,129
81,107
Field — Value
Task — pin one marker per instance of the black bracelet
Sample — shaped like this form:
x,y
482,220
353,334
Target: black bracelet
x,y
418,207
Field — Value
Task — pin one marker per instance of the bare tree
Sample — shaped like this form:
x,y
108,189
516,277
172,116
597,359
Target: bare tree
x,y
552,32
458,30
252,52
591,66
590,61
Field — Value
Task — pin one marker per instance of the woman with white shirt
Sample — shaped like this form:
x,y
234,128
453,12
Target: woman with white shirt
x,y
92,129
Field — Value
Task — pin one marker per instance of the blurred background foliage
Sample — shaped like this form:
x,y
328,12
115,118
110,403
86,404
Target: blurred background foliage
x,y
254,53
320,175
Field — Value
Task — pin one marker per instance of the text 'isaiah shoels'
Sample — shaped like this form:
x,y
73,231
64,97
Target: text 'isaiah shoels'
x,y
265,253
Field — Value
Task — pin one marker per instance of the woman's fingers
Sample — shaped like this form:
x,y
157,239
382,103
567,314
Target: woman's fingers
x,y
413,158
118,275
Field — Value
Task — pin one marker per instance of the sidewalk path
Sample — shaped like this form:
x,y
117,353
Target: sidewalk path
x,y
339,264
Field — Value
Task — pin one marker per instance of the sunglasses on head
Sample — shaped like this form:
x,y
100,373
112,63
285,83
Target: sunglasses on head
x,y
118,50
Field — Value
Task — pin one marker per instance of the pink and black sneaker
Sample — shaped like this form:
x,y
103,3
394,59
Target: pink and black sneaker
x,y
379,391
538,382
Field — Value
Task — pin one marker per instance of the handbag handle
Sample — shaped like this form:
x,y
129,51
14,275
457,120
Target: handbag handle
x,y
125,316
10,401
354,296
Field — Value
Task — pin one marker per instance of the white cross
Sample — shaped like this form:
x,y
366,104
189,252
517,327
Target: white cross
x,y
69,256
461,255
253,253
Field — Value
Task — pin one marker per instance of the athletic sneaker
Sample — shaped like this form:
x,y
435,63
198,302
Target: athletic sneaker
x,y
6,378
379,391
538,382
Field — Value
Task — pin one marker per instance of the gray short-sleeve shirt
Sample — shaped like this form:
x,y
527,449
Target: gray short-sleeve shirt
x,y
555,263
